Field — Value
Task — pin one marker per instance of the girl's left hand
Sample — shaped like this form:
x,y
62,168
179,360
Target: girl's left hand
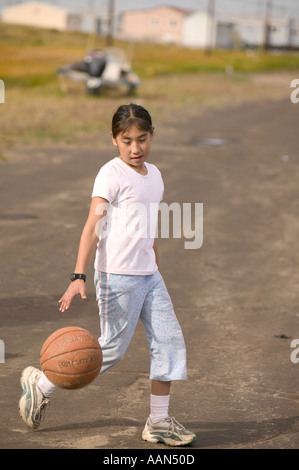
x,y
75,288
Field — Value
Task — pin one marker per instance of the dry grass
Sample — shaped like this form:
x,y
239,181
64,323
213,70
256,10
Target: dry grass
x,y
37,112
44,115
31,56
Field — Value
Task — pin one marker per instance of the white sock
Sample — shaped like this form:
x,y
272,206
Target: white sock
x,y
159,407
45,386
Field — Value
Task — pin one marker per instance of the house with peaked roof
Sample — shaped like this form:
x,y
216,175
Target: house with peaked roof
x,y
197,29
166,24
45,15
160,24
41,15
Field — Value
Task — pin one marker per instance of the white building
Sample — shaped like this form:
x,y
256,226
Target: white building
x,y
198,30
294,33
282,33
42,15
168,24
249,31
202,31
92,23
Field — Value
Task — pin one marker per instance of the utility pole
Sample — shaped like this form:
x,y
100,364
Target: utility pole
x,y
210,25
110,25
267,27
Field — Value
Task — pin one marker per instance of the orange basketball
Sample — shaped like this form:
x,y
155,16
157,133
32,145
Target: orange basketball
x,y
71,357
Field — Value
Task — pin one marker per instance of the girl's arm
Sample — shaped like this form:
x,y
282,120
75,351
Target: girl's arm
x,y
87,246
155,247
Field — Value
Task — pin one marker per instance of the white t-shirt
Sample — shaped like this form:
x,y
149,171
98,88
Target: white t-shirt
x,y
126,241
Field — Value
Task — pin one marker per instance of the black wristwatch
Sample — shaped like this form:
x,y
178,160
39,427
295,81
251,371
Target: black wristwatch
x,y
75,276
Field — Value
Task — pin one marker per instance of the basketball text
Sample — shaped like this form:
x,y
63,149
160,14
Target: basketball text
x,y
76,362
73,339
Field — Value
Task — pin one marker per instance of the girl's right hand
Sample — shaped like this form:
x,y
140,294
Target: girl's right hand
x,y
75,288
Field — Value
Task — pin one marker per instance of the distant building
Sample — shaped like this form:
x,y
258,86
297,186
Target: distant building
x,y
202,31
294,33
197,29
92,23
161,24
44,15
168,24
250,32
282,33
164,24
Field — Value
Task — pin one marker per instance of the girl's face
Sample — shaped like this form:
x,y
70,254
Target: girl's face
x,y
134,147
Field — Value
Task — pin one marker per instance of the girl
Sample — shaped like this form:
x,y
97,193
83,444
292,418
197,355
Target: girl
x,y
127,279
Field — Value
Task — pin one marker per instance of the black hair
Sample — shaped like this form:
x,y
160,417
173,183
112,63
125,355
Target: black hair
x,y
128,115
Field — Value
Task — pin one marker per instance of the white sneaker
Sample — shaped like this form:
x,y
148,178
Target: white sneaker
x,y
32,402
169,432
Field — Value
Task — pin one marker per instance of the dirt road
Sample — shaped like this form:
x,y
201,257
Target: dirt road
x,y
236,297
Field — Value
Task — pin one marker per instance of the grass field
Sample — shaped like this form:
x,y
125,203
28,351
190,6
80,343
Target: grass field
x,y
36,111
31,56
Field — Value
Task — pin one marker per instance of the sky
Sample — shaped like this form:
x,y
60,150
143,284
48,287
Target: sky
x,y
244,7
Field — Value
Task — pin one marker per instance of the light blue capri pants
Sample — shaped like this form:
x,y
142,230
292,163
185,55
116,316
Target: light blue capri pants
x,y
123,300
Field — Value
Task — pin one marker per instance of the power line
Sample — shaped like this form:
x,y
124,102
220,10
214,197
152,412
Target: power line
x,y
210,15
110,26
267,26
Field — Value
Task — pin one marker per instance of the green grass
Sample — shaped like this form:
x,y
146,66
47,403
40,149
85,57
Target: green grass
x,y
31,56
159,60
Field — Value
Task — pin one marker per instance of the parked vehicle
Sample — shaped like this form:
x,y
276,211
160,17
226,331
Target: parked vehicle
x,y
101,69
